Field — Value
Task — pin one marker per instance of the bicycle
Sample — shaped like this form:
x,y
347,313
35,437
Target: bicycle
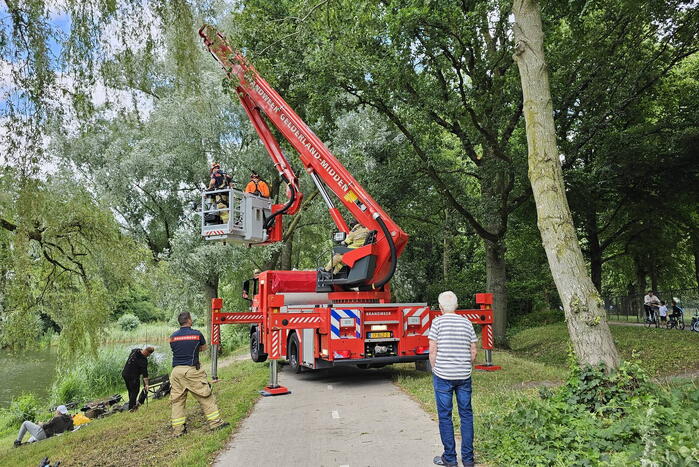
x,y
676,321
653,319
694,326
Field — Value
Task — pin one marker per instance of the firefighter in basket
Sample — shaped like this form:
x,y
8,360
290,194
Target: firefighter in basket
x,y
220,180
257,186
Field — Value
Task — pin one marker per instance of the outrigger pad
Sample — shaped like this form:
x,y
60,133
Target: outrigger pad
x,y
275,391
488,367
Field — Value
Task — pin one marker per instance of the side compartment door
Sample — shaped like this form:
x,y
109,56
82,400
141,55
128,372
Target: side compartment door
x,y
308,341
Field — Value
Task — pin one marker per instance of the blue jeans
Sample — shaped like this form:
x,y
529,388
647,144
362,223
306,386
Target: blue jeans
x,y
444,390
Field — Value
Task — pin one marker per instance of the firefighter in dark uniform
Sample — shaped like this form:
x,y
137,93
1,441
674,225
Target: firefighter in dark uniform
x,y
187,376
136,366
220,180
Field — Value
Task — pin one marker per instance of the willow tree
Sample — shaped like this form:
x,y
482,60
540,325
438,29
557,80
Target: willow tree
x,y
585,314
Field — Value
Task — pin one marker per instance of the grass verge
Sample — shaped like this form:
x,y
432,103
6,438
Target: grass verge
x,y
144,437
660,352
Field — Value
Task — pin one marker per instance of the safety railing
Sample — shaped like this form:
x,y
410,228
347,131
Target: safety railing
x,y
222,212
231,215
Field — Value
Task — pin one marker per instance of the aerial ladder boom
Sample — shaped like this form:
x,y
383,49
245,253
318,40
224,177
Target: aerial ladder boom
x,y
301,315
257,97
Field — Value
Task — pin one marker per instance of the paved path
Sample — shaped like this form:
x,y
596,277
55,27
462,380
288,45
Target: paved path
x,y
334,418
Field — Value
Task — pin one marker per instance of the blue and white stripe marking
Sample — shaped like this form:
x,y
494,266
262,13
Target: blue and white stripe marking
x,y
336,314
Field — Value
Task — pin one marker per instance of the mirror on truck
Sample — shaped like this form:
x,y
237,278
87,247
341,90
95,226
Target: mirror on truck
x,y
249,289
246,289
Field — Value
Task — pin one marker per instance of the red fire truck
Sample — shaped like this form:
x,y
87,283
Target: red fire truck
x,y
316,319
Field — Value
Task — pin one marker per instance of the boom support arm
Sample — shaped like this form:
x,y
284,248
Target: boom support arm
x,y
258,97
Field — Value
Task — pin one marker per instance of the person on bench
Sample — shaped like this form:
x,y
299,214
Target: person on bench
x,y
61,422
355,239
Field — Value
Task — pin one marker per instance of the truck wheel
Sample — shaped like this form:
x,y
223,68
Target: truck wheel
x,y
293,354
423,365
256,349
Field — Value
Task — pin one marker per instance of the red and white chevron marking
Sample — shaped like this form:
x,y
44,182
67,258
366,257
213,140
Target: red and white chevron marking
x,y
488,332
276,344
243,316
304,319
216,334
472,316
215,232
423,313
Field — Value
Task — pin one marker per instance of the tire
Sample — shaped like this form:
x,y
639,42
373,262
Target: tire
x,y
423,365
695,327
292,354
256,348
680,324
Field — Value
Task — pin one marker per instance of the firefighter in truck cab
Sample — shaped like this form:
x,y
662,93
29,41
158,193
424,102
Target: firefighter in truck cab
x,y
187,376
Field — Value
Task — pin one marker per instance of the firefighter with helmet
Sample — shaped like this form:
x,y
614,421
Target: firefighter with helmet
x,y
220,180
257,186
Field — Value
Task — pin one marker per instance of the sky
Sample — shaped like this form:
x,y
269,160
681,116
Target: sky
x,y
100,94
60,22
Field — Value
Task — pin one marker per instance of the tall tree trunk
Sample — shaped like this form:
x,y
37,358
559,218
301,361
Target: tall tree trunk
x,y
694,236
585,314
287,247
445,247
210,291
653,271
640,285
595,250
496,283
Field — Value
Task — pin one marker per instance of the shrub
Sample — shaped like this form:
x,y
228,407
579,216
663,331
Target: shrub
x,y
234,337
618,418
128,322
537,318
70,387
24,407
137,301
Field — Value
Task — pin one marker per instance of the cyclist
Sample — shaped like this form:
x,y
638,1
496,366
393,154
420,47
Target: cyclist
x,y
677,313
650,303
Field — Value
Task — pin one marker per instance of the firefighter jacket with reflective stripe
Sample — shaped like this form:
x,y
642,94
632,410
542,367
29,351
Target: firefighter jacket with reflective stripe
x,y
185,344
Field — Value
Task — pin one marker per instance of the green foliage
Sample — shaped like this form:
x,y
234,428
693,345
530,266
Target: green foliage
x,y
138,302
234,337
24,407
616,418
128,322
69,260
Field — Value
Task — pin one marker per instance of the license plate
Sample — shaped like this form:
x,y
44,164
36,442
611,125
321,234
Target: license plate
x,y
379,335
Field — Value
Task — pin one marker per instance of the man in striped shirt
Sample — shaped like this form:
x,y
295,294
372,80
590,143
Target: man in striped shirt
x,y
452,351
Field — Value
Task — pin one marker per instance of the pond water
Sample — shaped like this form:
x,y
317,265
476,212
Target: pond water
x,y
35,371
28,371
